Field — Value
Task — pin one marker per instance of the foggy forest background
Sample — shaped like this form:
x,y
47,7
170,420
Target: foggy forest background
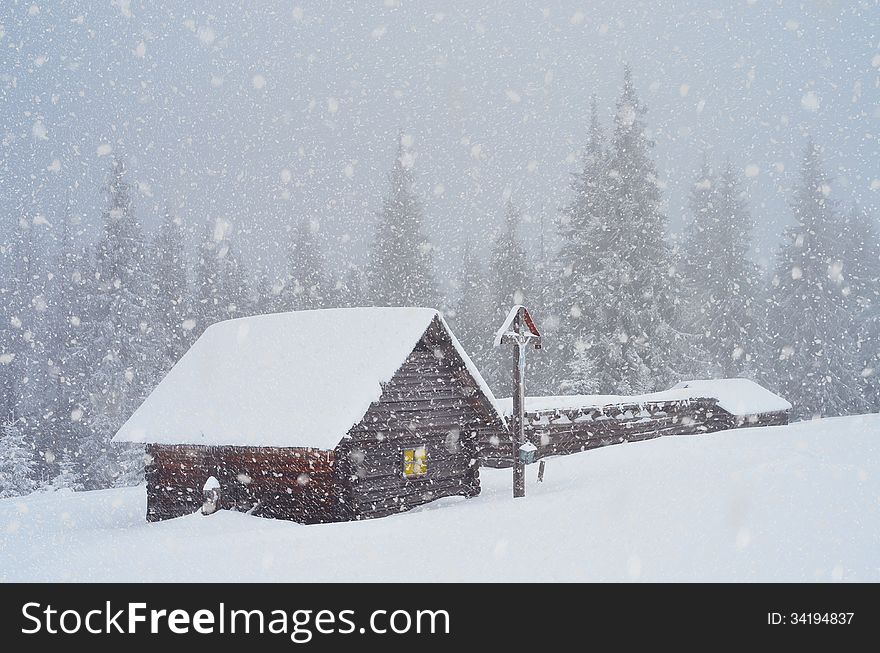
x,y
97,304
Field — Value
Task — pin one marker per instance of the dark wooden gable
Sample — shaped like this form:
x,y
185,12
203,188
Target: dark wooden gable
x,y
432,401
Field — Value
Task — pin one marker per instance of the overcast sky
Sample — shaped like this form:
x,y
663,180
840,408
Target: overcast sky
x,y
258,112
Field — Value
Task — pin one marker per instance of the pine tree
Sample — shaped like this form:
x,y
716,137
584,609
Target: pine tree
x,y
510,277
8,335
632,342
206,306
720,283
861,259
123,339
72,308
222,286
28,346
169,291
868,357
19,468
68,476
547,369
308,284
349,289
510,270
810,316
400,268
588,251
234,282
17,463
471,318
861,270
13,341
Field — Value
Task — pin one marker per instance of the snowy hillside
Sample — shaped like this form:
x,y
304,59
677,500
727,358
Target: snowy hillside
x,y
791,503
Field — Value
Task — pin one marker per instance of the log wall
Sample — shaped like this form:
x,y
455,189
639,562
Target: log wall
x,y
295,484
431,401
561,432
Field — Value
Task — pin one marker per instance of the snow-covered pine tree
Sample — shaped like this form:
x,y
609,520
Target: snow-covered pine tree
x,y
222,288
18,473
868,357
8,338
400,267
509,267
720,283
122,337
632,342
587,251
234,281
13,292
169,293
811,324
471,318
72,309
349,289
206,302
861,269
547,369
861,259
510,277
308,284
68,476
28,346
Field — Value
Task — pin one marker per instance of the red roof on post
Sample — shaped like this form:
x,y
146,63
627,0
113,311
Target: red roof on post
x,y
525,319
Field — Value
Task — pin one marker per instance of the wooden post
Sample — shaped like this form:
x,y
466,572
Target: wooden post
x,y
520,331
541,471
519,468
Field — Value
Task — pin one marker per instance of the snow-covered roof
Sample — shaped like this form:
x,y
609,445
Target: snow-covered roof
x,y
738,397
300,379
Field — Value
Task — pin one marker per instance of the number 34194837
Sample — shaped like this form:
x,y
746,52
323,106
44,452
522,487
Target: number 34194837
x,y
809,618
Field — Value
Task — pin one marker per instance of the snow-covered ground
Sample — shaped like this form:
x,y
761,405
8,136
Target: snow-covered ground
x,y
791,503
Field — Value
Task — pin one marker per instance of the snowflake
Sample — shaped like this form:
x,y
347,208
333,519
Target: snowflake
x,y
810,101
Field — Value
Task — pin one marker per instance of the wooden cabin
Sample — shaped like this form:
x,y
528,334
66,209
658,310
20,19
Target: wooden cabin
x,y
316,416
569,424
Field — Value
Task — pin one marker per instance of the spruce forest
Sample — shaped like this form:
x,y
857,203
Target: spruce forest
x,y
89,330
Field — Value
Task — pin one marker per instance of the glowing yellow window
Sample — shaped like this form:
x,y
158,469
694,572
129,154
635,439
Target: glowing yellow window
x,y
415,462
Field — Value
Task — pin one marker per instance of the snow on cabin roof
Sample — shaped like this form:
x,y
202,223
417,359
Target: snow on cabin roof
x,y
300,379
738,397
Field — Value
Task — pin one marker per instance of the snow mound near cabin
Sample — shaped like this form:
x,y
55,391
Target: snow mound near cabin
x,y
299,379
783,503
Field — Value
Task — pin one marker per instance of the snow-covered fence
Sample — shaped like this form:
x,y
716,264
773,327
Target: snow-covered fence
x,y
570,424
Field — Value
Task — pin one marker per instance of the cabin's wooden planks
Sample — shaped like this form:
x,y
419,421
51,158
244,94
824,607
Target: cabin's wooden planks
x,y
561,432
432,402
287,483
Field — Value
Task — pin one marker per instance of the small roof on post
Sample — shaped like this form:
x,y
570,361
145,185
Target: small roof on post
x,y
504,335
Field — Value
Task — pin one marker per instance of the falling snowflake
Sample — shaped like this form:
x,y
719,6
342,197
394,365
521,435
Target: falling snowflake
x,y
810,101
39,131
